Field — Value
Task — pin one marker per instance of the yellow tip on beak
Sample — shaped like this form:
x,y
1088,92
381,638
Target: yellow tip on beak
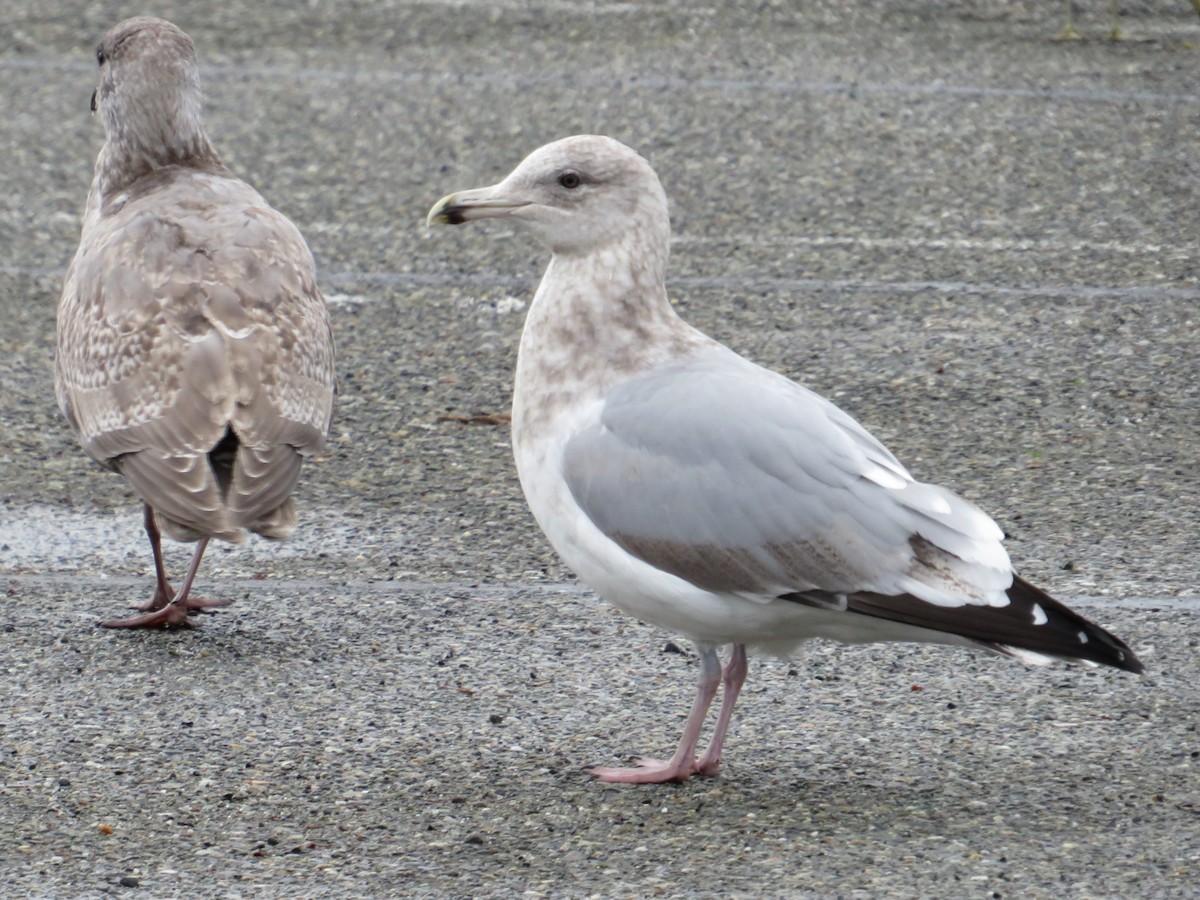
x,y
442,213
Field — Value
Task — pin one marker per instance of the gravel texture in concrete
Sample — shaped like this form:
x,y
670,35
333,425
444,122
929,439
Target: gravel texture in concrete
x,y
978,240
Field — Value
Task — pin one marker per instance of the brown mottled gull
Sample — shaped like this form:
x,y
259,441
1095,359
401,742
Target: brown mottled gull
x,y
698,491
195,355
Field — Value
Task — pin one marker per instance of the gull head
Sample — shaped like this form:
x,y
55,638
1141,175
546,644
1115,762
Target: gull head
x,y
148,94
576,195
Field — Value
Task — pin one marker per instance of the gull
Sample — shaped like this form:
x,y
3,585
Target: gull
x,y
710,496
195,356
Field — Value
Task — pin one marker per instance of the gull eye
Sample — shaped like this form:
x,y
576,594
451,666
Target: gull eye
x,y
101,56
570,180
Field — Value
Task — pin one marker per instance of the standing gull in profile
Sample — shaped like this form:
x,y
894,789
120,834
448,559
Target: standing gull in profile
x,y
195,355
698,491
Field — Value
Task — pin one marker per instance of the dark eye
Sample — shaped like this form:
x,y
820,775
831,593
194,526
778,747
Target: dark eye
x,y
101,56
570,180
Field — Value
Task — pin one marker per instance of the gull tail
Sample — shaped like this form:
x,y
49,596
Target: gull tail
x,y
1033,627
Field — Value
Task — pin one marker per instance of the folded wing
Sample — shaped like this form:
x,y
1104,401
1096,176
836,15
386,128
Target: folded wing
x,y
195,354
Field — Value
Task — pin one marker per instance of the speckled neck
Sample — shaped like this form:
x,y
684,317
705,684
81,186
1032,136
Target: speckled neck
x,y
129,155
596,319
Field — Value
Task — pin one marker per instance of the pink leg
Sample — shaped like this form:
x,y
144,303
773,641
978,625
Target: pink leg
x,y
735,677
175,613
682,765
163,592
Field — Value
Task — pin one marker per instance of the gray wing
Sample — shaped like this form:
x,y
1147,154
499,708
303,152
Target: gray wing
x,y
191,308
739,480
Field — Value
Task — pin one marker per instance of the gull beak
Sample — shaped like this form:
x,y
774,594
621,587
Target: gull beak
x,y
466,206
